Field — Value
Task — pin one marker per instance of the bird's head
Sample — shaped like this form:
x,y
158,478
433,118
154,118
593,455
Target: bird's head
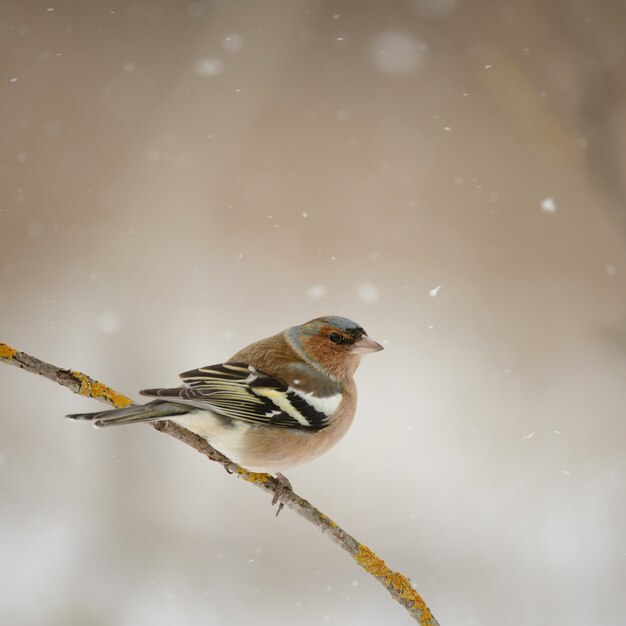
x,y
333,343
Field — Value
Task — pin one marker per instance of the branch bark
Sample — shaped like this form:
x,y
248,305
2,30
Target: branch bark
x,y
396,584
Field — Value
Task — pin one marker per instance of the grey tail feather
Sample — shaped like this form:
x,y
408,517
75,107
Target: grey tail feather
x,y
150,412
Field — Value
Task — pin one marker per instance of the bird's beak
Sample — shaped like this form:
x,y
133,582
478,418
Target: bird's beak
x,y
365,345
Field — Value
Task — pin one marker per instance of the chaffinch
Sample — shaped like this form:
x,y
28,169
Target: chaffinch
x,y
279,402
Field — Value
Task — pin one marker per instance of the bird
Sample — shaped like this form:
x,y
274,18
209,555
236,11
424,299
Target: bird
x,y
277,403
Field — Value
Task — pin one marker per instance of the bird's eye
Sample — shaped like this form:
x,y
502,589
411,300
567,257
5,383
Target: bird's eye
x,y
335,337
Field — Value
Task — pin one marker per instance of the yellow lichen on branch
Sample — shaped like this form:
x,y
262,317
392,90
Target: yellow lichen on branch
x,y
94,389
253,477
7,352
375,566
327,519
395,583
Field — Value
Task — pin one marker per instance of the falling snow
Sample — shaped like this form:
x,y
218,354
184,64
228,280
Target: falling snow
x,y
233,43
315,292
368,292
548,205
109,322
209,68
207,117
398,53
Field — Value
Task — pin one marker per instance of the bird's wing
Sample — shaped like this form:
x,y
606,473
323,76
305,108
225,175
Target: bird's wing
x,y
240,392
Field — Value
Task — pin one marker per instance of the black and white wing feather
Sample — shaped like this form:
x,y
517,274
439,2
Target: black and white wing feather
x,y
240,392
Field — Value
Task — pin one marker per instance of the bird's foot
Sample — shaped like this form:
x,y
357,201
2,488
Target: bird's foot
x,y
282,484
231,468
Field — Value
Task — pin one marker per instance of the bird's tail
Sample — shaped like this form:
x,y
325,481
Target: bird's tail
x,y
150,412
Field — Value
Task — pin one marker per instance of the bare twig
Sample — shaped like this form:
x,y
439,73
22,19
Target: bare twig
x,y
396,584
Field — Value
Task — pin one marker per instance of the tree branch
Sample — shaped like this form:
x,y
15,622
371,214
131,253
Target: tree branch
x,y
396,584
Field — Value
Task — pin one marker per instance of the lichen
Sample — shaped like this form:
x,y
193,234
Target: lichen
x,y
253,477
392,580
7,352
327,519
95,389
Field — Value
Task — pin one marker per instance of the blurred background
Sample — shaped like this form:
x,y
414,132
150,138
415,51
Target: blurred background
x,y
180,179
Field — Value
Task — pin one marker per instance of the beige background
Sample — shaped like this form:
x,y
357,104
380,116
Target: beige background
x,y
180,179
